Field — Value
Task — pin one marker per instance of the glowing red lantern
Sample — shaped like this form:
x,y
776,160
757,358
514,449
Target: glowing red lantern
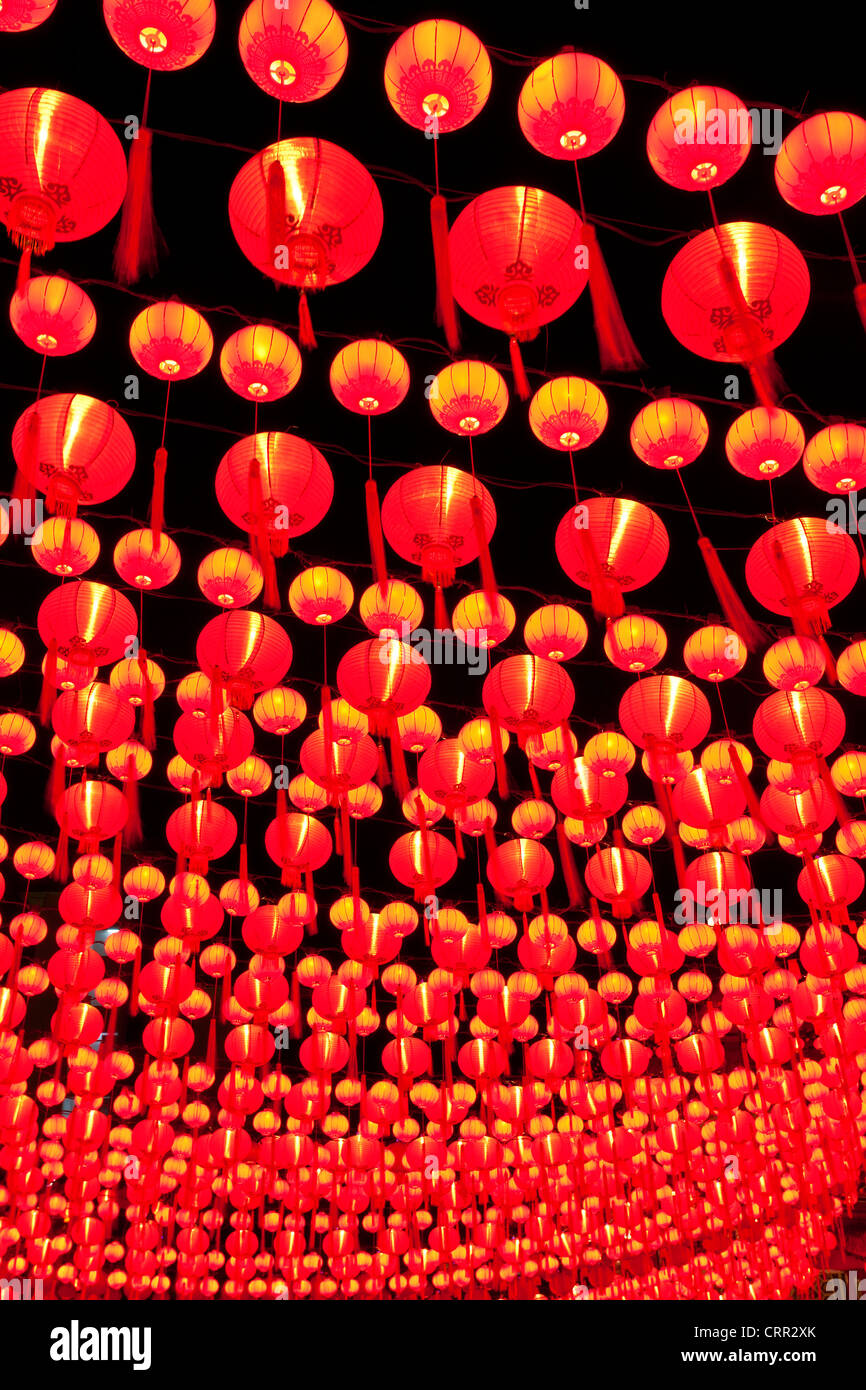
x,y
75,449
765,443
571,106
260,363
568,412
556,632
437,69
369,377
669,433
64,170
635,643
802,568
468,398
144,564
835,458
159,36
19,15
821,165
611,545
699,138
52,315
295,51
247,652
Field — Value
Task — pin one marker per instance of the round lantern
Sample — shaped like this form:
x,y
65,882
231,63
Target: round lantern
x,y
64,168
794,663
669,433
306,213
299,844
468,398
796,726
513,259
665,713
835,458
248,652
11,653
52,315
428,517
230,577
19,15
160,35
571,106
635,643
288,480
92,720
518,869
385,679
320,595
715,653
260,363
802,568
143,564
422,861
369,377
171,341
394,609
88,624
568,412
65,546
821,165
556,632
280,710
699,138
202,831
479,624
294,51
735,292
216,745
765,443
437,76
851,668
528,695
75,449
611,545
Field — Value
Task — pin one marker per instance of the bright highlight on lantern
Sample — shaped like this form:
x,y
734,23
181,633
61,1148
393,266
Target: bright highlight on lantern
x,y
436,104
169,365
573,139
569,439
835,193
705,171
153,39
470,422
282,72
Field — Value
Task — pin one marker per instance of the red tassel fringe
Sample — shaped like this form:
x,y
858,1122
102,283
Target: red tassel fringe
x,y
157,500
732,605
374,531
136,251
616,348
306,336
446,313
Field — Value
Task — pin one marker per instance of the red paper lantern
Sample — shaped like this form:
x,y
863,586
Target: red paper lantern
x,y
230,577
711,317
571,106
369,377
427,517
528,694
143,564
64,169
160,35
821,165
468,398
295,51
247,652
802,568
765,443
437,70
19,15
88,624
260,363
699,138
327,221
171,341
556,632
52,315
611,545
568,413
835,458
295,484
664,713
799,725
75,449
669,433
513,259
635,643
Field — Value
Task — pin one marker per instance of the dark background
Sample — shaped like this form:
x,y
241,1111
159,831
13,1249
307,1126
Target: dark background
x,y
208,119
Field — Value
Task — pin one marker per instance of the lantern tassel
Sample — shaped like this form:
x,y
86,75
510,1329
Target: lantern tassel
x,y
157,500
306,336
49,683
732,605
569,870
860,301
521,380
56,782
61,859
259,539
805,623
488,578
276,211
243,870
440,611
607,599
148,718
498,756
398,762
133,817
446,313
346,833
843,815
23,269
374,531
136,251
766,378
616,348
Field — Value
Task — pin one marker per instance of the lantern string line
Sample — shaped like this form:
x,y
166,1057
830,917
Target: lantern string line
x,y
420,345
